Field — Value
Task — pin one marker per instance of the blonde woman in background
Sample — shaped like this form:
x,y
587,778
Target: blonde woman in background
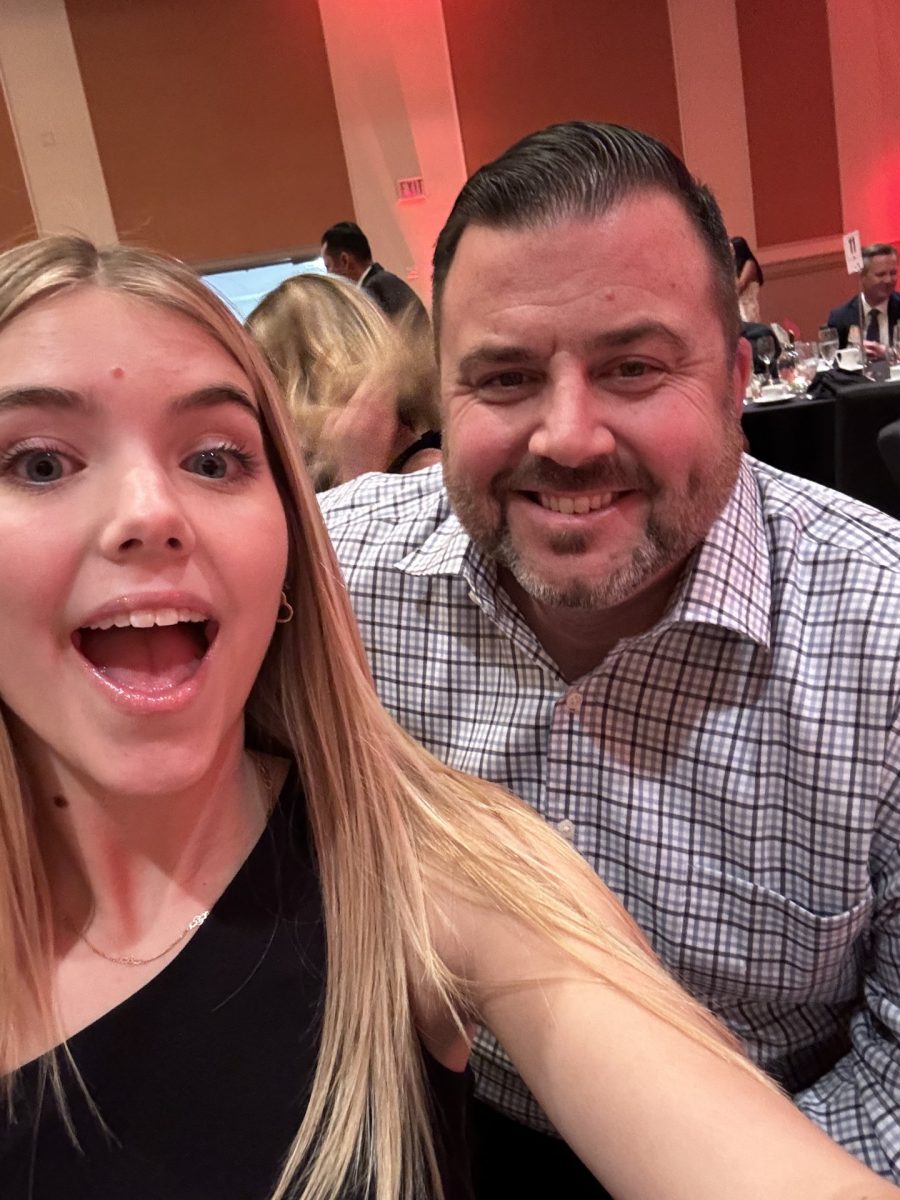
x,y
362,390
245,921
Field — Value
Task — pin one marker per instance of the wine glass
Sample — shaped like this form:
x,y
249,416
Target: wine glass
x,y
765,352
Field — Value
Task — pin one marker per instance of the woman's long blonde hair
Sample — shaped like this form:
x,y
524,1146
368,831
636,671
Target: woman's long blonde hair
x,y
386,817
323,338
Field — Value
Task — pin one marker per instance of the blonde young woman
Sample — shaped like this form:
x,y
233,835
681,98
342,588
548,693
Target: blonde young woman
x,y
245,922
362,390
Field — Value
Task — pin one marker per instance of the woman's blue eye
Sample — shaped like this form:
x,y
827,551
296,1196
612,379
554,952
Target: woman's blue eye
x,y
213,464
41,466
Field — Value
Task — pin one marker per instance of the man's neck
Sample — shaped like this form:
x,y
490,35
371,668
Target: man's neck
x,y
578,639
880,304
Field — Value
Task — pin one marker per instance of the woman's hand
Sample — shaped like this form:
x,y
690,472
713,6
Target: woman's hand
x,y
360,436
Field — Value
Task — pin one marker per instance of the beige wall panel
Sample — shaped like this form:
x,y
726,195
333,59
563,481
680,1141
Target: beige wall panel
x,y
711,105
16,219
397,109
60,169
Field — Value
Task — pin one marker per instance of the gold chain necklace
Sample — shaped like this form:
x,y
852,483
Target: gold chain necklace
x,y
129,960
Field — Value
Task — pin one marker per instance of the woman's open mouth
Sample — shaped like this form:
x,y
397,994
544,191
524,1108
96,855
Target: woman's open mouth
x,y
147,651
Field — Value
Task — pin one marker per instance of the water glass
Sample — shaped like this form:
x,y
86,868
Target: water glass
x,y
806,364
828,342
787,368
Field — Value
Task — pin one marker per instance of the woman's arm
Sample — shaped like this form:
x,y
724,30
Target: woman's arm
x,y
748,274
651,1112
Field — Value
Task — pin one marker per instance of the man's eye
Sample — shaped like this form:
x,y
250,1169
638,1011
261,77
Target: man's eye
x,y
636,369
505,379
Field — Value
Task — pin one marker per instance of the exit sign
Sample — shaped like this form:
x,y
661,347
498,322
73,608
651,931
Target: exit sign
x,y
411,189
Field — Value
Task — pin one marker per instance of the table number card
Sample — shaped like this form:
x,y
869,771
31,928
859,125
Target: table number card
x,y
853,252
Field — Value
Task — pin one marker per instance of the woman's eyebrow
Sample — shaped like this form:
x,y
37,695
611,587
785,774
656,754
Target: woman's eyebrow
x,y
45,396
212,396
42,396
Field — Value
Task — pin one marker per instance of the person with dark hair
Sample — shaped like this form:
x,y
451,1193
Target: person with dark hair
x,y
750,279
685,660
346,252
876,312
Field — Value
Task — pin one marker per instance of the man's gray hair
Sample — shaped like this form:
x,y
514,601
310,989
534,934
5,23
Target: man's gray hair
x,y
876,250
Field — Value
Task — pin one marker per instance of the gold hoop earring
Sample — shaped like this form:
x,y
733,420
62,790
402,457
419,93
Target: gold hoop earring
x,y
285,611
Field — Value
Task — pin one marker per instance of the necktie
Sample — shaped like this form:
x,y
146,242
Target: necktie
x,y
873,329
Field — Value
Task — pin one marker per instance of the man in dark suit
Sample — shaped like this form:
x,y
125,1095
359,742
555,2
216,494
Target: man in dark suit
x,y
878,311
346,251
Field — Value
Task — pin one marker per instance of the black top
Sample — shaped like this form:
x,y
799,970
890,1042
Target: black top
x,y
393,295
429,440
203,1075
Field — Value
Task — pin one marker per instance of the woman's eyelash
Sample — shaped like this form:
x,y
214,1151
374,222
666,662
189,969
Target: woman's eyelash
x,y
28,449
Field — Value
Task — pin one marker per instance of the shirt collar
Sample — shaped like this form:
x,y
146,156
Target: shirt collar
x,y
727,581
365,275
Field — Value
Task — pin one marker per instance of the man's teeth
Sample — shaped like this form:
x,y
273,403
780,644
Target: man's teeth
x,y
146,618
576,504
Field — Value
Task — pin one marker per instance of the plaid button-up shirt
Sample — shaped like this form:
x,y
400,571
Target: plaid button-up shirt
x,y
733,773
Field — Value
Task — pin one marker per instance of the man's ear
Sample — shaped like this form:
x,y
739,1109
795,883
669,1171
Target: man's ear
x,y
740,373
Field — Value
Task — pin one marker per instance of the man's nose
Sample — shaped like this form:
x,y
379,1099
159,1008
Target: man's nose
x,y
574,424
147,517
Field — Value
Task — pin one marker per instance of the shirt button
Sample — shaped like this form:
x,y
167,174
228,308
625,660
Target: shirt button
x,y
566,828
573,701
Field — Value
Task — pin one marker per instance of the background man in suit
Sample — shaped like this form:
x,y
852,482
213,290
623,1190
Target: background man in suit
x,y
880,305
346,251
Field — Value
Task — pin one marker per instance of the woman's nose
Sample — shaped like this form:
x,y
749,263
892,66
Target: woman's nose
x,y
147,517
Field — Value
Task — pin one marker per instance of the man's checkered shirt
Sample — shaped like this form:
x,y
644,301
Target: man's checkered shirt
x,y
732,773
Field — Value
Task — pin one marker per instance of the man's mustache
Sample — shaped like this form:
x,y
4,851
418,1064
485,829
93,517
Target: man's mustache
x,y
600,475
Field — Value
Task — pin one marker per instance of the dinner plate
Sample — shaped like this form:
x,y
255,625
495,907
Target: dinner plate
x,y
786,394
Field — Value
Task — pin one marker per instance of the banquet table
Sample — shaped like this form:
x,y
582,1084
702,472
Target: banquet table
x,y
830,439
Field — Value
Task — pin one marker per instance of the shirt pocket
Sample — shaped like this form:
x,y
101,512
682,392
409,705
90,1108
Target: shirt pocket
x,y
745,942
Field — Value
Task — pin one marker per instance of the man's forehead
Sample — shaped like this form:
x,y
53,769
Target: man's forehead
x,y
640,224
647,237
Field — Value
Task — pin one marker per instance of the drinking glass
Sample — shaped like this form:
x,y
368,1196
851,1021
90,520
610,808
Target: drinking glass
x,y
787,368
765,352
805,366
828,344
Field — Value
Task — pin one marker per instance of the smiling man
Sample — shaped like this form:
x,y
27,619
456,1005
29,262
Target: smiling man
x,y
684,660
876,310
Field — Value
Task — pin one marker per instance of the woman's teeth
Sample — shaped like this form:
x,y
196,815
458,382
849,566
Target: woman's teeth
x,y
146,619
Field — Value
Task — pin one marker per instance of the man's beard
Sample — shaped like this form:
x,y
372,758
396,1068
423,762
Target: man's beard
x,y
675,525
